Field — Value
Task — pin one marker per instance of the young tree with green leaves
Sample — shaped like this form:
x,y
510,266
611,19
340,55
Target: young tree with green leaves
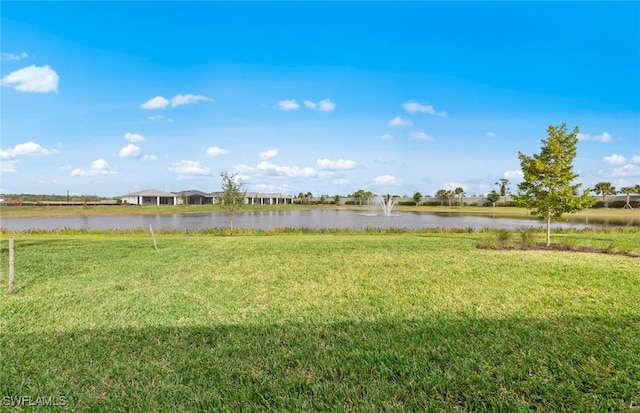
x,y
233,194
548,188
604,189
417,197
493,197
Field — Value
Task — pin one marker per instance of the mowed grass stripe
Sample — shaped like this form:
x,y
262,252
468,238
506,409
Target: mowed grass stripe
x,y
319,322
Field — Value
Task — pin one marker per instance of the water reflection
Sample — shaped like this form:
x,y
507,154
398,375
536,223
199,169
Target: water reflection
x,y
301,219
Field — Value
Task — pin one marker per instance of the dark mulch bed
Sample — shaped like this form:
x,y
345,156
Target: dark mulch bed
x,y
555,247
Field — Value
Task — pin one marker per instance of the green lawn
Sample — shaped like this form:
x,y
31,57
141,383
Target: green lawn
x,y
337,322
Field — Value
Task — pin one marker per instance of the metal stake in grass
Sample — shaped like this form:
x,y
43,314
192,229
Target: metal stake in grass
x,y
11,266
155,244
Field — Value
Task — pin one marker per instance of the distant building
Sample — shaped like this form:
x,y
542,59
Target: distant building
x,y
195,197
150,197
259,198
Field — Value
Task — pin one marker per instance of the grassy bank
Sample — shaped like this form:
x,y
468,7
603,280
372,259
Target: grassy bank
x,y
400,322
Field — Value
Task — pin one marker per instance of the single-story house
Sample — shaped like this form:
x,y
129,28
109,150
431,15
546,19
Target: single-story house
x,y
150,197
195,197
258,198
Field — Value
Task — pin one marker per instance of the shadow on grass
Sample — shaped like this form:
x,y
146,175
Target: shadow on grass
x,y
516,364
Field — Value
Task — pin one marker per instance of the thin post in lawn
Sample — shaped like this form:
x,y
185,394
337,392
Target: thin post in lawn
x,y
11,266
155,244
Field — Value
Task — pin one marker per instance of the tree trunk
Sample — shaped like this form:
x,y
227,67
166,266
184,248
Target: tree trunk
x,y
548,228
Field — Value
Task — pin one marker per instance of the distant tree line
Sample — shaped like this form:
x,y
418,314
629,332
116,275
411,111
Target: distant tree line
x,y
53,198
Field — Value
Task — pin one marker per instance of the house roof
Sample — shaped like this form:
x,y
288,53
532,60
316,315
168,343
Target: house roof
x,y
157,192
192,192
267,195
255,195
152,192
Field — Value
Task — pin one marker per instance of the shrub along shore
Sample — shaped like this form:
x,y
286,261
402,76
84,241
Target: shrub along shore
x,y
296,320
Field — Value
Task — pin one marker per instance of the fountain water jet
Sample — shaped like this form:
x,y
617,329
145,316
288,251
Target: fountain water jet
x,y
387,203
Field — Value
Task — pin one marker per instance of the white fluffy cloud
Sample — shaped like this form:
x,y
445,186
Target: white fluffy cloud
x,y
157,102
422,136
386,136
416,107
603,137
149,158
623,171
515,174
23,149
188,99
134,137
490,135
385,180
289,171
635,159
614,159
32,79
325,105
288,104
398,121
189,168
268,154
453,185
14,57
98,167
8,167
339,164
129,151
270,188
160,102
216,151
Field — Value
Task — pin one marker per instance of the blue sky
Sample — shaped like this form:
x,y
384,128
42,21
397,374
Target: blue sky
x,y
327,97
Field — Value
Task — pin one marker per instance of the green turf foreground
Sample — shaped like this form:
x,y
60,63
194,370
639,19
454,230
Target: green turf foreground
x,y
338,322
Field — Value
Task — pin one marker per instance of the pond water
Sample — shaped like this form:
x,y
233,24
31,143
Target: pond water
x,y
298,219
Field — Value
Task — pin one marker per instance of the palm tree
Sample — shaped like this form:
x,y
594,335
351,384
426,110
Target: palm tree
x,y
628,190
359,195
441,195
450,195
503,184
460,192
604,189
